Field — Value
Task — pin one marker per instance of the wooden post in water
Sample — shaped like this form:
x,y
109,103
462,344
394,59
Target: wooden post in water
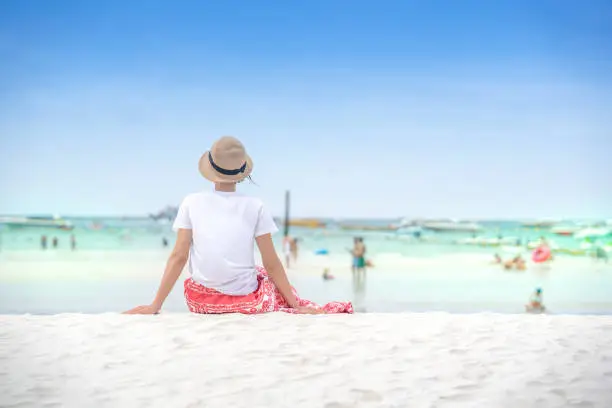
x,y
287,204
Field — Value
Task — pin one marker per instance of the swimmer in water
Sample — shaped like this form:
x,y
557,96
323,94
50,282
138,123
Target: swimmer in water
x,y
517,262
327,275
293,249
535,304
358,252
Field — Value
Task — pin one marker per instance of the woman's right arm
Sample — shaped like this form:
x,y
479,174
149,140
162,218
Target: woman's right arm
x,y
276,272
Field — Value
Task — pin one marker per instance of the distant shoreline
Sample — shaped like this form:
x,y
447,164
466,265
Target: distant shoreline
x,y
341,218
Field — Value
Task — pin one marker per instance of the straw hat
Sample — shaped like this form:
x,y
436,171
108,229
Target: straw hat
x,y
226,161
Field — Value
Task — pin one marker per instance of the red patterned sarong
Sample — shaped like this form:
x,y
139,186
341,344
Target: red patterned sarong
x,y
266,298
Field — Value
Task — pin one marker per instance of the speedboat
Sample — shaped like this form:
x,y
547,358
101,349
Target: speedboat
x,y
54,221
484,241
307,223
441,225
166,214
565,230
451,226
543,223
601,232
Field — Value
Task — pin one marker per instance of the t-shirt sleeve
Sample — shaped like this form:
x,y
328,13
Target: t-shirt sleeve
x,y
182,219
265,223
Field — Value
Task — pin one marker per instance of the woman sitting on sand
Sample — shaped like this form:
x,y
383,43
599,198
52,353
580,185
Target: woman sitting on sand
x,y
216,233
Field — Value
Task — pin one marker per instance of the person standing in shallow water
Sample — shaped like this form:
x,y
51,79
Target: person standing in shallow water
x,y
72,242
217,232
55,242
43,242
293,248
359,250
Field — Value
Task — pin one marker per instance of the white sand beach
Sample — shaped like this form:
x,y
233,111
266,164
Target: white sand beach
x,y
278,360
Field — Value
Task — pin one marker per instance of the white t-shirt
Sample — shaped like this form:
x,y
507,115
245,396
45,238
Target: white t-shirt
x,y
224,226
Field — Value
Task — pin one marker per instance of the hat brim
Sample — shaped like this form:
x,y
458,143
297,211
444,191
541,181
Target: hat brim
x,y
207,171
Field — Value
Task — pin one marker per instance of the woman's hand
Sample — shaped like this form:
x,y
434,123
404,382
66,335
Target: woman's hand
x,y
145,309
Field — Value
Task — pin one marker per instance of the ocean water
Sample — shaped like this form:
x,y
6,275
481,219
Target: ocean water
x,y
118,263
145,233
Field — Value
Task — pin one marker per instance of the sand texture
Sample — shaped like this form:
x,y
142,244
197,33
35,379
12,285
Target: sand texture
x,y
279,360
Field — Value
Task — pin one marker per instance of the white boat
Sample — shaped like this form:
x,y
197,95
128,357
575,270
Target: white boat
x,y
484,241
593,233
536,244
408,223
565,230
451,226
442,225
166,214
54,221
542,223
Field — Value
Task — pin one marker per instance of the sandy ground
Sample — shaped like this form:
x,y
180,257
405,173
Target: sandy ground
x,y
277,360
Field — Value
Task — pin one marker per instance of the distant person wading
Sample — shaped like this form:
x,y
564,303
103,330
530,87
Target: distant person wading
x,y
358,252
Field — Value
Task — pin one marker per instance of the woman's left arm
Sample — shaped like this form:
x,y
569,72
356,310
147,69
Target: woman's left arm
x,y
176,262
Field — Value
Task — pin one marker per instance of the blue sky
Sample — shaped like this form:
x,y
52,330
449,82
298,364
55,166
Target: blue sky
x,y
363,109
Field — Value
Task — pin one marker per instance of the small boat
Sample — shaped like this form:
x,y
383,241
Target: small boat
x,y
536,244
451,226
168,213
352,227
543,223
54,221
307,223
565,230
594,233
490,242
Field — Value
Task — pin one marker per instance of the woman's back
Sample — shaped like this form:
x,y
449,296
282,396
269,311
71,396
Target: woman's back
x,y
224,226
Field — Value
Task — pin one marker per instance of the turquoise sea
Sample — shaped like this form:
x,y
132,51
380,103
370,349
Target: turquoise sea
x,y
122,233
118,263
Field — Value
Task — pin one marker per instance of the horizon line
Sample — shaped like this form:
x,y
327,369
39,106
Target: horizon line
x,y
337,218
